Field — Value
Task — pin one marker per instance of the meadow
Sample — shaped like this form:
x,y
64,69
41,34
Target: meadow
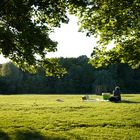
x,y
42,117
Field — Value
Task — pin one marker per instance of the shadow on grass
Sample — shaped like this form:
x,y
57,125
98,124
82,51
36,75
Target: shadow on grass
x,y
129,102
4,136
34,135
29,135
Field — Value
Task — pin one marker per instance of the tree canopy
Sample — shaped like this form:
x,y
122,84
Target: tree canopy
x,y
25,26
112,20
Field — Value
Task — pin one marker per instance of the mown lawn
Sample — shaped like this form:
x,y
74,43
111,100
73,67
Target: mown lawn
x,y
41,117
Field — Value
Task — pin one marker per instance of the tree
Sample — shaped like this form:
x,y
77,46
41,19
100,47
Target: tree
x,y
25,26
104,82
112,20
12,77
79,78
24,31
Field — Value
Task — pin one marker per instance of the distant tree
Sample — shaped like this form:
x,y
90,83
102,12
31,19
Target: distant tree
x,y
3,86
12,76
37,82
81,78
80,75
126,78
103,82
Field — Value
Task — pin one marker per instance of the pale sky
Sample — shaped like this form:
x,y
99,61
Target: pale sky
x,y
3,60
71,43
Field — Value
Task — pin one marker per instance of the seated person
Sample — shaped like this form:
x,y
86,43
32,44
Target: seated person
x,y
116,95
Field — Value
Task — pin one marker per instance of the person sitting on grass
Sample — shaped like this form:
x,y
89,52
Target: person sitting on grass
x,y
116,95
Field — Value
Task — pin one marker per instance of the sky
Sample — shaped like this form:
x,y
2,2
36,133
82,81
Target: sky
x,y
3,60
71,43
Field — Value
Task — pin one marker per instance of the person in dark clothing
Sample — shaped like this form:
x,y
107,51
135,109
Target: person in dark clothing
x,y
116,95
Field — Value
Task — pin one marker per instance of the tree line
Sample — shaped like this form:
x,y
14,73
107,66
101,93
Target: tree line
x,y
81,78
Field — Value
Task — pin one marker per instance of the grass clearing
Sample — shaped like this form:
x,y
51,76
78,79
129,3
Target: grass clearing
x,y
41,117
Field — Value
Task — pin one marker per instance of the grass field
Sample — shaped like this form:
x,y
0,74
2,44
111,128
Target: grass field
x,y
41,117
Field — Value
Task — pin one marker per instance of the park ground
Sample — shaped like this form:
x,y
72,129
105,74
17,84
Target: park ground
x,y
67,117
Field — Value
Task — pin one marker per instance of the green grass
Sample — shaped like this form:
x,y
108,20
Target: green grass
x,y
41,117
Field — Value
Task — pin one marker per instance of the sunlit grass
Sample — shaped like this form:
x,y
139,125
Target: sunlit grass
x,y
41,117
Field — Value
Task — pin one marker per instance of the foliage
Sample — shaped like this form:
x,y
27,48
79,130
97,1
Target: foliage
x,y
81,78
112,20
25,117
11,77
103,82
25,28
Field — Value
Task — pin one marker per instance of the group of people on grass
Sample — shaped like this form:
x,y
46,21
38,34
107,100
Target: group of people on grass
x,y
115,98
